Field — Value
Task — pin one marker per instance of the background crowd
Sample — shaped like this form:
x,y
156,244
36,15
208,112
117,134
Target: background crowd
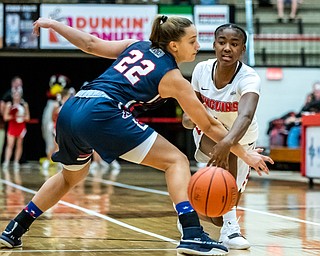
x,y
15,117
285,131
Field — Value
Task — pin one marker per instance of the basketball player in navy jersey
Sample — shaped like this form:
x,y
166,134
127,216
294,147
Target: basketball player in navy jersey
x,y
101,117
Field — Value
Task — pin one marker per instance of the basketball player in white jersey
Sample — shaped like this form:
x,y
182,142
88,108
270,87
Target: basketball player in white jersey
x,y
230,91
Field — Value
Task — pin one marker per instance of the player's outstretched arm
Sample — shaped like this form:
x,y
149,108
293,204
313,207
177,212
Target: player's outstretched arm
x,y
186,97
84,41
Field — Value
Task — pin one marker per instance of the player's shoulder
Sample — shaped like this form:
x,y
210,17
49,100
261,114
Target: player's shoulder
x,y
245,69
248,72
206,63
141,45
204,66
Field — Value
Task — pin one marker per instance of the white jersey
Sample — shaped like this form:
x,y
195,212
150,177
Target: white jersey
x,y
223,103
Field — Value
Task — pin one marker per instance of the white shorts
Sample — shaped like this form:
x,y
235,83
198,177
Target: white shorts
x,y
137,154
243,168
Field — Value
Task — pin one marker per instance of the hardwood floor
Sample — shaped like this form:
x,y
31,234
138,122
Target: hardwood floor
x,y
130,213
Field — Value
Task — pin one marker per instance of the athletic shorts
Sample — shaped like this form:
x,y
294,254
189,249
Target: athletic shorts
x,y
243,169
93,121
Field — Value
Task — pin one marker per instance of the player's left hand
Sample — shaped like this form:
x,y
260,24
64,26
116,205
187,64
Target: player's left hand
x,y
258,161
220,155
41,23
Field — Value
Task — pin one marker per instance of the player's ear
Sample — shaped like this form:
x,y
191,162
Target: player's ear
x,y
244,49
173,46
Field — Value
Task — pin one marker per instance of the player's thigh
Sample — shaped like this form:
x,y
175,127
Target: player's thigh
x,y
243,175
164,154
244,169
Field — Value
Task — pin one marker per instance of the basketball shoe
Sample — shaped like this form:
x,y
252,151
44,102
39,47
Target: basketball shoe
x,y
11,236
196,242
231,237
115,164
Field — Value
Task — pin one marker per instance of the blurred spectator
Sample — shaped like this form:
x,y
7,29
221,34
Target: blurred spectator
x,y
16,113
312,104
57,83
293,9
16,84
286,130
61,99
99,164
279,129
294,136
277,133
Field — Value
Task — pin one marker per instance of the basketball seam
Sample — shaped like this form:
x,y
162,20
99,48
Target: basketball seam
x,y
226,194
209,192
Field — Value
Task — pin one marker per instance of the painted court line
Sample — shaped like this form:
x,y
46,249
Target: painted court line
x,y
93,213
159,192
121,185
279,216
154,191
86,250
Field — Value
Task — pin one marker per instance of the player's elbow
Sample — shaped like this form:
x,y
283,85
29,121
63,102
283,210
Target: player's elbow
x,y
187,122
89,45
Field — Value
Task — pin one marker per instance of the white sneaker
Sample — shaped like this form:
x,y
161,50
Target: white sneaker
x,y
16,166
115,165
201,165
5,165
104,166
94,166
114,174
231,237
46,164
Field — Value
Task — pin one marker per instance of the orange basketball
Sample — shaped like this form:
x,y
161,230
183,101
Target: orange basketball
x,y
212,191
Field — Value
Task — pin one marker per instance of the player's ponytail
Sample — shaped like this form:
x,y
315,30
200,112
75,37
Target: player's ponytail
x,y
166,29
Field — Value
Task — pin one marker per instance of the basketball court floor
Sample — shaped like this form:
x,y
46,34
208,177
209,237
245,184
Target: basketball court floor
x,y
130,213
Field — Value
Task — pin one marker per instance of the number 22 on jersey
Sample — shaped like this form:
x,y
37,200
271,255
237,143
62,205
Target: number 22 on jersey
x,y
141,67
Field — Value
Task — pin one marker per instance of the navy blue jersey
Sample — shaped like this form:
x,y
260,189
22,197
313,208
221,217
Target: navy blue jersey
x,y
133,79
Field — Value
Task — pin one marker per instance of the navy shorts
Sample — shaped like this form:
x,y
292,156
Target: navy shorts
x,y
96,123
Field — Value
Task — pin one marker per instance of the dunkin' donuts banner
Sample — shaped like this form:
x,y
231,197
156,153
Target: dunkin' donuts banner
x,y
108,22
